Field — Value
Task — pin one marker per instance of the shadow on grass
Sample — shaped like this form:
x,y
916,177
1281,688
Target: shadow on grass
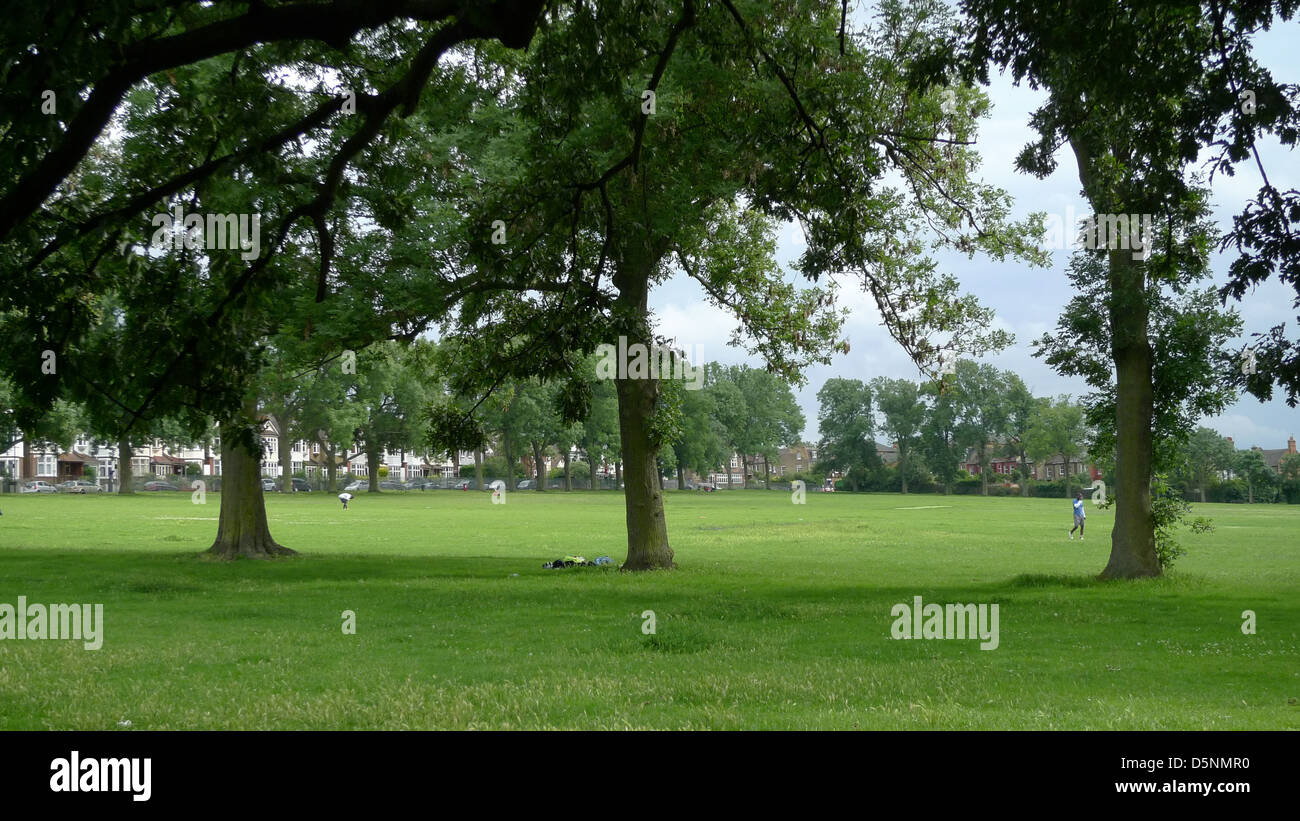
x,y
1040,580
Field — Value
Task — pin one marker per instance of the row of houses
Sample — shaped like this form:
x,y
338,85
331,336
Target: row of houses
x,y
43,461
801,458
46,462
1273,457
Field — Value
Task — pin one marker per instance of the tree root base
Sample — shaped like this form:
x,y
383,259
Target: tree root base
x,y
225,552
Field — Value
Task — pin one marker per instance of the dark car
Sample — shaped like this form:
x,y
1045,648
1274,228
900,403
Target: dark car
x,y
525,484
390,485
301,486
159,486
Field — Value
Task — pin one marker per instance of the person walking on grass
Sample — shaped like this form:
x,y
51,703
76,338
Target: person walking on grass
x,y
344,497
1080,517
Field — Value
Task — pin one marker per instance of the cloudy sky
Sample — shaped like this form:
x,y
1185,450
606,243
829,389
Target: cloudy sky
x,y
1027,300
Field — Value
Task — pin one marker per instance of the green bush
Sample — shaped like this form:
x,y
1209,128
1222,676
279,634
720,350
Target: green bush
x,y
1049,490
1291,491
578,470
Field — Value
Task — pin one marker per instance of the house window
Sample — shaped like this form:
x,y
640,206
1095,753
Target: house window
x,y
47,465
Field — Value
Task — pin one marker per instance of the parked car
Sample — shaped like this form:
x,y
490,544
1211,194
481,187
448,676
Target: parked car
x,y
38,486
706,487
525,484
354,486
79,486
422,484
301,485
391,485
463,484
159,486
269,485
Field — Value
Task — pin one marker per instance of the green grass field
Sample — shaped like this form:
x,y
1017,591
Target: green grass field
x,y
779,616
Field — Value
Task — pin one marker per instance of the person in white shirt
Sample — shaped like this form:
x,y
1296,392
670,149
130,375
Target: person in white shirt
x,y
344,497
1080,517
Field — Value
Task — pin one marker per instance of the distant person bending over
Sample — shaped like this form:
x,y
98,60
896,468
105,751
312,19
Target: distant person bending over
x,y
1080,517
344,497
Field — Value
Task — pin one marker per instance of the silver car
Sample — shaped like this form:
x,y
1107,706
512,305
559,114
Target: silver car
x,y
79,486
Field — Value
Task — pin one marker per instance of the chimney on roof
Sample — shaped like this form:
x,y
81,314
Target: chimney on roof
x,y
1290,445
1230,442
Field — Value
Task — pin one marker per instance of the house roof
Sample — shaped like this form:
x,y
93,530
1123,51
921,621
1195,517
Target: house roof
x,y
1274,456
166,459
76,457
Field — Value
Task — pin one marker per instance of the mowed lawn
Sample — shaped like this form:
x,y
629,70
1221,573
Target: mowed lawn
x,y
779,616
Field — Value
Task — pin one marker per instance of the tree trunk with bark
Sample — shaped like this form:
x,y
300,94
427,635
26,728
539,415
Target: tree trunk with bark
x,y
681,476
285,445
124,468
568,472
539,469
242,531
478,467
331,469
647,530
1133,548
372,467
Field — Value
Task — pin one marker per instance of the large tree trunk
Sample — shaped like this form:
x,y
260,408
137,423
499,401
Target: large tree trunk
x,y
681,476
285,445
1024,476
27,467
478,467
331,469
124,467
1133,548
568,474
372,467
242,530
618,474
538,470
1132,544
647,532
